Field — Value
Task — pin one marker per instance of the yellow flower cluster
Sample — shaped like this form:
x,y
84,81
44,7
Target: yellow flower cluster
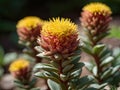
x,y
29,22
18,65
97,7
59,27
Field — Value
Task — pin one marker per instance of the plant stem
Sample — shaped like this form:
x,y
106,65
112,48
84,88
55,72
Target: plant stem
x,y
97,60
64,83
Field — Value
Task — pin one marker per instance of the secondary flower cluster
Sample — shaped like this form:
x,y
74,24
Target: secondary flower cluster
x,y
20,69
96,17
29,28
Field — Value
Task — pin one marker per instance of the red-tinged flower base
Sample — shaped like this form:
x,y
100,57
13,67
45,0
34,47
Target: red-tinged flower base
x,y
29,35
64,45
22,74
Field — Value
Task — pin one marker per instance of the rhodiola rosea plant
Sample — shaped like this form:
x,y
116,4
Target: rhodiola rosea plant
x,y
59,44
95,19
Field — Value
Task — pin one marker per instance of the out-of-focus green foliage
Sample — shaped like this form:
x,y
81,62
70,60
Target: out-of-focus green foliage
x,y
115,32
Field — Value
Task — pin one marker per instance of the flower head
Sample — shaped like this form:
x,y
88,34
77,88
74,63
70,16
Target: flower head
x,y
20,68
59,35
29,28
60,28
96,17
97,8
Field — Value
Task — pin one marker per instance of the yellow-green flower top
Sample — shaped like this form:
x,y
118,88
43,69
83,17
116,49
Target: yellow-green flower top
x,y
18,65
97,7
29,22
59,28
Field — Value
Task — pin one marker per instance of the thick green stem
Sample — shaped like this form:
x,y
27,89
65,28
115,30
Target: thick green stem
x,y
97,60
64,83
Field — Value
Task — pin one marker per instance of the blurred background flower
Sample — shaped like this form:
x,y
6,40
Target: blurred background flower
x,y
96,18
20,69
29,28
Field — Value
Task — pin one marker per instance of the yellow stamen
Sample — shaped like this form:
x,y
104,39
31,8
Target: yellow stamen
x,y
97,7
59,27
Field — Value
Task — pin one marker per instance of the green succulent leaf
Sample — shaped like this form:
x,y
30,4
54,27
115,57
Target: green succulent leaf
x,y
55,64
53,85
116,52
19,84
95,70
78,51
107,61
115,79
87,49
89,66
84,81
98,87
107,73
75,59
46,67
98,48
27,57
115,69
91,88
9,57
67,68
38,48
65,63
101,36
76,70
105,53
75,73
47,75
42,55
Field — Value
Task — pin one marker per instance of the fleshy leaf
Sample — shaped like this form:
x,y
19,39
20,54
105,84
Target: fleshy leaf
x,y
107,60
53,85
89,66
9,57
95,70
86,80
39,49
106,73
47,75
46,67
98,48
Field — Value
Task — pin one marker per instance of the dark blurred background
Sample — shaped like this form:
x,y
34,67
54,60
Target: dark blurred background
x,y
13,10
